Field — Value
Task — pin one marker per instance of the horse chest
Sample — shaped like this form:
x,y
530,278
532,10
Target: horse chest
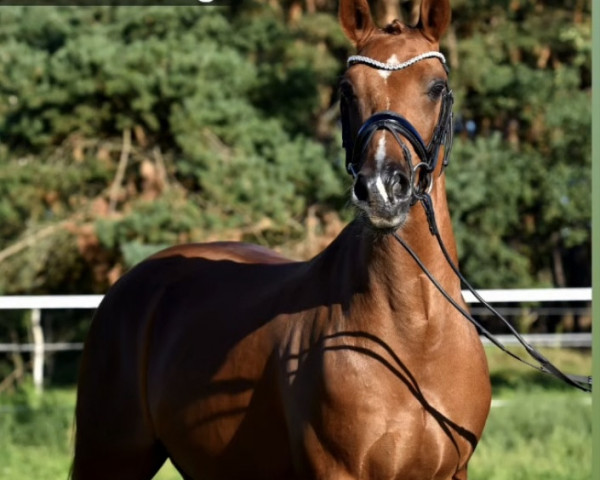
x,y
356,410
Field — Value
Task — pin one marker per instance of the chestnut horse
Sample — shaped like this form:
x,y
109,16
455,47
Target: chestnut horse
x,y
237,363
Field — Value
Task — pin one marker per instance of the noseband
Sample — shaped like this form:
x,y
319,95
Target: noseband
x,y
400,127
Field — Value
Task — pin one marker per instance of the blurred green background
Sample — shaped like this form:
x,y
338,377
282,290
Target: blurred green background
x,y
123,130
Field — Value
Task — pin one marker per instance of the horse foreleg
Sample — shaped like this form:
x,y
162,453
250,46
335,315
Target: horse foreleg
x,y
137,464
112,440
114,437
460,475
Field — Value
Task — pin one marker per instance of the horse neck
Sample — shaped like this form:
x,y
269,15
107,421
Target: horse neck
x,y
417,235
383,283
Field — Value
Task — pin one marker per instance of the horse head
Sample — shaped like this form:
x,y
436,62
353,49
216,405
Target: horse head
x,y
396,110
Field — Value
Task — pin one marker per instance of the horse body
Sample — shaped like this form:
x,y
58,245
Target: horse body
x,y
314,372
240,364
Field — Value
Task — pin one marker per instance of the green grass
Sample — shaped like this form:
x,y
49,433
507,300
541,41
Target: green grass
x,y
168,472
543,432
541,436
510,377
35,435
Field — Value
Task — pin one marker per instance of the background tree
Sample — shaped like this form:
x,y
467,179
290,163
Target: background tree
x,y
123,130
521,187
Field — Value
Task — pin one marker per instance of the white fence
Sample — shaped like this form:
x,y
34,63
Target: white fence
x,y
38,303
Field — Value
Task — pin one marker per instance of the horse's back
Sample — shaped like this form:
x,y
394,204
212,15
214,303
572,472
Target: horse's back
x,y
234,251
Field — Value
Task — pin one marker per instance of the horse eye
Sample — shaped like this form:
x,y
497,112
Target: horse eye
x,y
436,90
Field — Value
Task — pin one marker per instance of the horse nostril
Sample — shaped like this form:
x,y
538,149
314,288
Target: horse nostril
x,y
360,189
400,186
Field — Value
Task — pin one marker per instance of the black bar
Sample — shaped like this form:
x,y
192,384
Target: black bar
x,y
115,3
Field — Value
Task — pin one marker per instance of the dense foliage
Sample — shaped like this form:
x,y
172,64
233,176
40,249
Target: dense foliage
x,y
214,132
127,129
520,187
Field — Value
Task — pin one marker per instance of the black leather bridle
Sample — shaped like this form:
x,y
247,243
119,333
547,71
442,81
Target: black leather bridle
x,y
400,128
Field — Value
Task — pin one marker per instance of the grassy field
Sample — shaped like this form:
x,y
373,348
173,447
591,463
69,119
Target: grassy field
x,y
538,430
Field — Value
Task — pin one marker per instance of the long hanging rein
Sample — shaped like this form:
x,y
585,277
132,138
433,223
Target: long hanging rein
x,y
545,366
398,125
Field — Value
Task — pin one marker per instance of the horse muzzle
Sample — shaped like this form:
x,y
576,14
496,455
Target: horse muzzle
x,y
384,198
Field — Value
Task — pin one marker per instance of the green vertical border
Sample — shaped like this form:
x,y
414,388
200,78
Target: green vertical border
x,y
596,236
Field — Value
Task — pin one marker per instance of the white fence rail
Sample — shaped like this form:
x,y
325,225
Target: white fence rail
x,y
533,295
526,295
37,303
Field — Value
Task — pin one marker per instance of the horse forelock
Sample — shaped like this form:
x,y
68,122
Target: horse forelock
x,y
398,39
396,27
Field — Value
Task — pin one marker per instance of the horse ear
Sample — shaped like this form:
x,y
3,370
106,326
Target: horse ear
x,y
356,21
435,18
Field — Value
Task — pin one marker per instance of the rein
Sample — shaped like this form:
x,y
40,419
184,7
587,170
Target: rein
x,y
428,154
545,366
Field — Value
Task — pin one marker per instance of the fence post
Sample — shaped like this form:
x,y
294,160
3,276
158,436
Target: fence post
x,y
38,349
